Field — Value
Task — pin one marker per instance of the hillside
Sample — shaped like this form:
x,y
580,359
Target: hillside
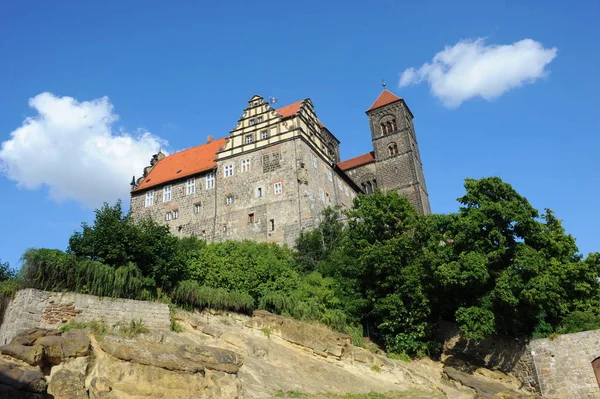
x,y
220,355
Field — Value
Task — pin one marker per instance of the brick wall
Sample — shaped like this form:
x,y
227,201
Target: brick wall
x,y
41,309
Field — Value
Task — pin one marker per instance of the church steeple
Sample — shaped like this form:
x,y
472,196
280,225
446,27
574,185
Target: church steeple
x,y
397,160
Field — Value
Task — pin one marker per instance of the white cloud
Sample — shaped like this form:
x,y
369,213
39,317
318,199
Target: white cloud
x,y
71,148
471,69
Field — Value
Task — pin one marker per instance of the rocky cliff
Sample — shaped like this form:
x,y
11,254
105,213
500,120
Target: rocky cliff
x,y
223,355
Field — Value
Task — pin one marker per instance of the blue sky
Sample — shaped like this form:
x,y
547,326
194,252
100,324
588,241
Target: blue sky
x,y
524,110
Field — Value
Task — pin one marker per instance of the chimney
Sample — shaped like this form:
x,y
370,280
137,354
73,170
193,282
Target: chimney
x,y
209,139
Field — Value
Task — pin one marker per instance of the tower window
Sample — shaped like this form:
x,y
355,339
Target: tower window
x,y
259,192
197,208
393,149
251,218
229,200
393,125
272,224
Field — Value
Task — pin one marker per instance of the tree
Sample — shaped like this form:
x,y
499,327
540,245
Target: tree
x,y
6,273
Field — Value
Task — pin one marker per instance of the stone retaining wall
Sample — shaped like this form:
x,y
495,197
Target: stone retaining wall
x,y
557,368
41,309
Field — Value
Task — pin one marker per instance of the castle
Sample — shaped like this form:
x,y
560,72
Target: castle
x,y
275,173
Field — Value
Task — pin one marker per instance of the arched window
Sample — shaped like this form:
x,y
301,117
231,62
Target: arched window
x,y
393,149
382,129
393,125
389,127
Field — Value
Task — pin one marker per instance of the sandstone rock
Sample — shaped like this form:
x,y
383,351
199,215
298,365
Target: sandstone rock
x,y
67,384
7,392
29,354
186,358
53,352
28,337
100,389
76,344
21,380
483,387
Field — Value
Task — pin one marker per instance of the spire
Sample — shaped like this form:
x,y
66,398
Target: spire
x,y
386,97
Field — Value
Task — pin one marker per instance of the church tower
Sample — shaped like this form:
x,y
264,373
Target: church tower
x,y
397,161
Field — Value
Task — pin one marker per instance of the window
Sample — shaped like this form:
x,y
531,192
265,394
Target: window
x,y
210,180
245,165
228,171
251,218
191,186
149,199
259,192
229,200
393,149
277,188
248,139
264,134
272,224
330,176
259,119
175,214
168,216
322,194
252,122
167,193
197,208
393,125
314,160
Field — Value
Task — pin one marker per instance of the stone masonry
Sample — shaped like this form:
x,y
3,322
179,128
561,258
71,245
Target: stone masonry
x,y
33,308
276,172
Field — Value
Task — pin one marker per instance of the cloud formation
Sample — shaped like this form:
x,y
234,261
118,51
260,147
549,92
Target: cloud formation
x,y
71,148
471,69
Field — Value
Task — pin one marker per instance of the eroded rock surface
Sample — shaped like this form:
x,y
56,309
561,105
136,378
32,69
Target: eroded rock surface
x,y
223,355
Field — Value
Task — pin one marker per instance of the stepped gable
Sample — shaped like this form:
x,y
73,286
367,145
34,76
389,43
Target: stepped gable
x,y
183,163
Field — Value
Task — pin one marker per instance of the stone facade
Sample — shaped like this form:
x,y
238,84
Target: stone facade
x,y
41,309
274,174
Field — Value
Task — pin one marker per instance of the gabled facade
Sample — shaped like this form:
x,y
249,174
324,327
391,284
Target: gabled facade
x,y
272,176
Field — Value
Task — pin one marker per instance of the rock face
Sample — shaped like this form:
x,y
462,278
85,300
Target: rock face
x,y
221,355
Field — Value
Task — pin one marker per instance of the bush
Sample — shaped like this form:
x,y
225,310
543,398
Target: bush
x,y
579,321
190,294
54,270
133,329
98,327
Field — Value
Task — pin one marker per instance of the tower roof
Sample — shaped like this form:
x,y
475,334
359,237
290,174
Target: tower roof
x,y
386,97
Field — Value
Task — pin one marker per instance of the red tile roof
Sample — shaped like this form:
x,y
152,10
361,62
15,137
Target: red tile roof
x,y
357,161
386,97
183,163
290,110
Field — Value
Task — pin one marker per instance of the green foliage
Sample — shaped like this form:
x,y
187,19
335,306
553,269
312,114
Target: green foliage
x,y
475,323
290,394
399,356
175,326
6,273
356,335
190,294
376,368
54,270
266,331
97,327
579,321
116,241
132,329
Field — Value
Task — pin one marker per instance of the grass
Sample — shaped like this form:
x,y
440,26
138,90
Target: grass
x,y
175,326
98,327
290,394
133,329
400,356
376,368
267,331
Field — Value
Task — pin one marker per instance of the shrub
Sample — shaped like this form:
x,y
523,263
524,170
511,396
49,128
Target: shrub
x,y
98,327
190,294
579,321
133,329
399,356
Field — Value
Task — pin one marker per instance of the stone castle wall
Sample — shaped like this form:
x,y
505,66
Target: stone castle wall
x,y
33,308
557,368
